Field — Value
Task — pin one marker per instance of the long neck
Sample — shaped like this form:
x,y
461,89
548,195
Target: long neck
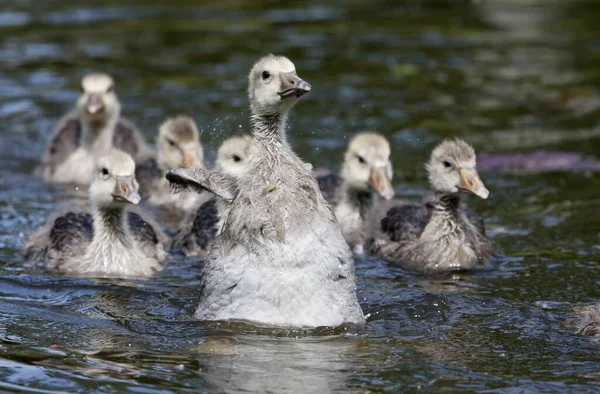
x,y
269,129
111,226
98,135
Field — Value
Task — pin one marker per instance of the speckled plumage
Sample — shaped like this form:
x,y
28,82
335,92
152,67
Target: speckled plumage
x,y
79,138
280,258
439,235
199,227
178,145
365,179
329,184
106,240
589,324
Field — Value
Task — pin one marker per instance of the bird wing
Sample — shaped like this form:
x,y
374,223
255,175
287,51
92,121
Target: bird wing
x,y
129,139
195,235
146,175
405,222
70,230
329,184
142,230
63,141
200,180
476,220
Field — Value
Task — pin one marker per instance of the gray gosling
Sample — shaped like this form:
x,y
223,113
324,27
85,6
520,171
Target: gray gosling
x,y
365,178
178,145
281,258
589,325
108,241
198,228
440,235
89,132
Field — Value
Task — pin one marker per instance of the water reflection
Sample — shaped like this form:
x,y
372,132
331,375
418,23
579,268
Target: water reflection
x,y
263,364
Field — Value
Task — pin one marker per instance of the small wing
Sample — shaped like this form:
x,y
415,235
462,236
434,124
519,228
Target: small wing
x,y
142,230
193,239
405,222
146,173
329,185
63,141
148,235
71,230
476,220
129,139
205,223
70,234
200,180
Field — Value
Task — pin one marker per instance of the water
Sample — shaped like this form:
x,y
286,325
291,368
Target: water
x,y
507,76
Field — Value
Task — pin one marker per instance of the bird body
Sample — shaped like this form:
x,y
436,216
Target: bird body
x,y
280,258
287,263
91,131
178,145
364,180
107,240
439,235
200,226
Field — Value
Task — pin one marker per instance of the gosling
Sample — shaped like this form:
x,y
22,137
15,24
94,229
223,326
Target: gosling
x,y
107,241
364,180
178,145
201,226
88,133
440,235
281,258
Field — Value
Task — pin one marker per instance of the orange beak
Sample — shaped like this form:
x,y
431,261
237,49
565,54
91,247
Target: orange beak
x,y
470,182
191,159
380,182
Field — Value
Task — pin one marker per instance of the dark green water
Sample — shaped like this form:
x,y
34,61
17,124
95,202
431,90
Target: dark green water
x,y
506,76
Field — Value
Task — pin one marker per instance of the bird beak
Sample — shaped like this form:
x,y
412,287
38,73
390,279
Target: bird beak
x,y
126,190
380,182
293,86
470,182
94,104
191,159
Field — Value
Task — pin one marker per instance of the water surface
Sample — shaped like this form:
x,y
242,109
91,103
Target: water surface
x,y
506,76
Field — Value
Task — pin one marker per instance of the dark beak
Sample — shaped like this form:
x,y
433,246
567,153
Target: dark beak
x,y
94,104
293,86
126,190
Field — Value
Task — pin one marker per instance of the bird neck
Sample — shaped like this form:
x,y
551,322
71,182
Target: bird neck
x,y
446,206
98,134
269,129
111,226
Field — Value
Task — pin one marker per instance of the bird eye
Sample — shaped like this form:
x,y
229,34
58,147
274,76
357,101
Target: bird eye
x,y
236,158
110,89
104,171
82,89
447,164
361,160
171,142
266,75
